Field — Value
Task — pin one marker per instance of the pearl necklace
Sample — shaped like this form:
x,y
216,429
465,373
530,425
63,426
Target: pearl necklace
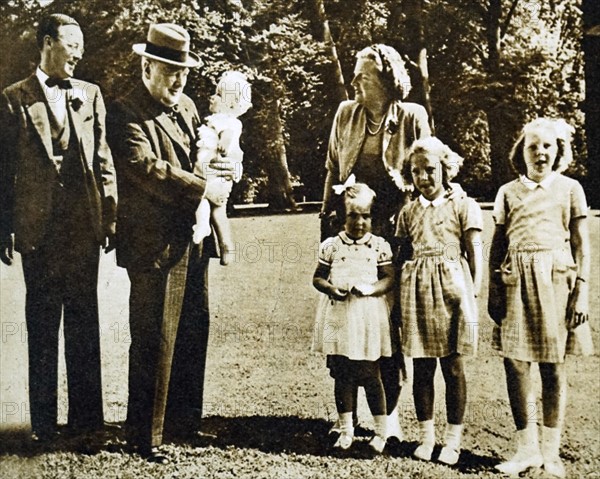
x,y
377,125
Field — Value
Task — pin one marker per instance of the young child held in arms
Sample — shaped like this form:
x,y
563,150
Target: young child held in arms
x,y
539,273
441,258
219,138
352,326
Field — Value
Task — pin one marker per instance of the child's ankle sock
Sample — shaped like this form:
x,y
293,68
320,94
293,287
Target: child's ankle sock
x,y
378,441
451,450
427,442
346,431
346,424
454,436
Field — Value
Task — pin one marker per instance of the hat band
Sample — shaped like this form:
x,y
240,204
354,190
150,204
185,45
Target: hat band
x,y
166,53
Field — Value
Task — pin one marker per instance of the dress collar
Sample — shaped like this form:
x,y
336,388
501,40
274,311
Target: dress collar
x,y
437,202
545,183
346,239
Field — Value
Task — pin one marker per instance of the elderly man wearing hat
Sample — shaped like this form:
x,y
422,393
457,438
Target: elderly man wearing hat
x,y
152,133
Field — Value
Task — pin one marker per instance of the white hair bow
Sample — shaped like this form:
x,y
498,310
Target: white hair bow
x,y
339,189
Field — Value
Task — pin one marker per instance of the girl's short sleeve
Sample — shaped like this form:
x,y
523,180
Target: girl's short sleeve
x,y
401,223
578,201
327,250
384,253
473,217
499,212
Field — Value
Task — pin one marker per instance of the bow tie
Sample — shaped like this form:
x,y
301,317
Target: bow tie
x,y
63,84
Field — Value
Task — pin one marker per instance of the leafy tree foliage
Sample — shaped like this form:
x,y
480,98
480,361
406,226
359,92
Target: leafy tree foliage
x,y
492,64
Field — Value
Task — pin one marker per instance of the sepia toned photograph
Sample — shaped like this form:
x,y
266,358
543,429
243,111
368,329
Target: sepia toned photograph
x,y
303,239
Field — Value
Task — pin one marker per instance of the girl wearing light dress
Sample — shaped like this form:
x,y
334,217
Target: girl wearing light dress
x,y
352,325
441,258
539,273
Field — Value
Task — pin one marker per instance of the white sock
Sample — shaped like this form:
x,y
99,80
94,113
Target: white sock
x,y
346,424
550,441
427,429
380,426
454,436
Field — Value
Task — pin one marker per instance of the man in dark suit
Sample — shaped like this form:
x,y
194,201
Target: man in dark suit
x,y
153,134
57,207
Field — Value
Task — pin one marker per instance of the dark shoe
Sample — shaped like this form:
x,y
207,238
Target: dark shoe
x,y
85,442
44,437
155,455
202,435
112,427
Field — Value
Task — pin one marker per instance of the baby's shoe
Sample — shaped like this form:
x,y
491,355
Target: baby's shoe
x,y
528,453
550,445
451,450
424,450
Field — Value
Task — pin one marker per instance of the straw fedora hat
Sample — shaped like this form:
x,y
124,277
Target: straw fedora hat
x,y
168,43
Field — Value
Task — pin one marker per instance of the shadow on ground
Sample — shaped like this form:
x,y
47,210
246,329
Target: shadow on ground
x,y
269,434
287,434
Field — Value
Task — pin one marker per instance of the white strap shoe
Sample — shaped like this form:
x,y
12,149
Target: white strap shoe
x,y
423,452
344,441
520,462
449,456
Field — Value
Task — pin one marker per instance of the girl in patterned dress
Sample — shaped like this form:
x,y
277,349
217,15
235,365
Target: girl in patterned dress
x,y
352,324
441,259
539,271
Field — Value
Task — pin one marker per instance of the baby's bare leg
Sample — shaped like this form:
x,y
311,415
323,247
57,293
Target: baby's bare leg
x,y
222,227
202,226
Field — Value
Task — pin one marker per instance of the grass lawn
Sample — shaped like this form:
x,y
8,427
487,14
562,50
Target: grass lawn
x,y
267,397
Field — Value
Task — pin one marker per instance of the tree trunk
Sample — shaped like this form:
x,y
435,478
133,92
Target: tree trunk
x,y
280,186
500,122
413,10
591,48
322,33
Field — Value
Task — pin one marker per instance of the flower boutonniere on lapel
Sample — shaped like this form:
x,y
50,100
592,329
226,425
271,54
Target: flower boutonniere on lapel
x,y
76,96
76,103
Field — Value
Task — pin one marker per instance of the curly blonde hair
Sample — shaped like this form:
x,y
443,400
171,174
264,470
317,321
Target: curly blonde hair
x,y
561,130
391,67
235,92
450,161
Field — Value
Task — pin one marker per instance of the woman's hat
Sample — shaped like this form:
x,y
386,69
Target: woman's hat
x,y
168,43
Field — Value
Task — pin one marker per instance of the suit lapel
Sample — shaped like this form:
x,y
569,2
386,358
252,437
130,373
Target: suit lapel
x,y
36,105
167,124
187,116
74,117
